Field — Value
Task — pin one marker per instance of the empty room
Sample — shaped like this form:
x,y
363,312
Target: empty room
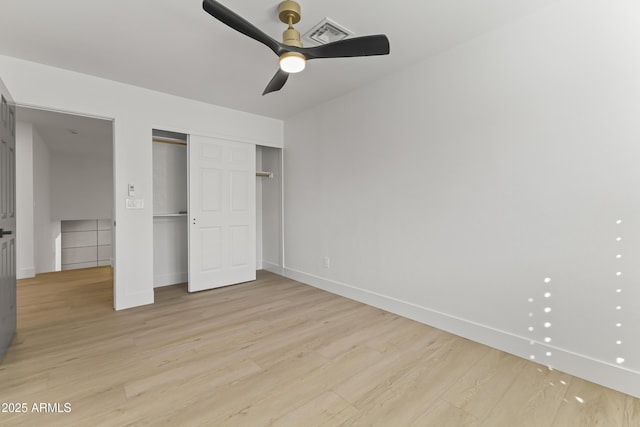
x,y
320,213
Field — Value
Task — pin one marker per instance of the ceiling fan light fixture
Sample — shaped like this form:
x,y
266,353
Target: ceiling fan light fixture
x,y
292,62
293,56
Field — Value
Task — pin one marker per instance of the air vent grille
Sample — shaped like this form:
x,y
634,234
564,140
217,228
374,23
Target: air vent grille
x,y
326,31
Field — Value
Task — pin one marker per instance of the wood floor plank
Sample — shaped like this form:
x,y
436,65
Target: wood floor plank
x,y
203,406
420,386
586,404
631,415
444,414
533,398
373,380
479,388
279,401
269,352
326,409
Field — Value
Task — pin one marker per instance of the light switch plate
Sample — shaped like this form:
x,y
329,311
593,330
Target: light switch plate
x,y
134,203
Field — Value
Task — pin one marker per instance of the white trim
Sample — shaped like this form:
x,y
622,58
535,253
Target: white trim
x,y
162,280
57,110
597,371
133,300
26,273
282,225
222,136
272,267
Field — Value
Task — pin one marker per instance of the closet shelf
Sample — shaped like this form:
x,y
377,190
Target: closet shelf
x,y
166,140
162,215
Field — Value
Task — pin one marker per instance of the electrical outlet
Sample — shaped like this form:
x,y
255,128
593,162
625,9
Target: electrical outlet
x,y
326,262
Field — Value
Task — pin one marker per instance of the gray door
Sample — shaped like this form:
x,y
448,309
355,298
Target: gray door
x,y
7,220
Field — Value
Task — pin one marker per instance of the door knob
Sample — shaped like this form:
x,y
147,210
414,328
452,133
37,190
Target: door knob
x,y
3,233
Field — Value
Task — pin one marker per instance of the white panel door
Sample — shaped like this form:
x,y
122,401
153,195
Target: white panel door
x,y
222,213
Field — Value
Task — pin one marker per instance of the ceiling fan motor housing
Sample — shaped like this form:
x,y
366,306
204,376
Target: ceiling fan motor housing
x,y
289,13
291,37
289,9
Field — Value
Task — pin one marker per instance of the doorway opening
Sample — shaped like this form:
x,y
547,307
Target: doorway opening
x,y
170,222
64,193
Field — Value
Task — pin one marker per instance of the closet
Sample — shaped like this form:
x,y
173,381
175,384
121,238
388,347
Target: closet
x,y
216,210
269,208
170,249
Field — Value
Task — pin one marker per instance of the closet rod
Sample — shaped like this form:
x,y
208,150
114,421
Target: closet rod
x,y
169,141
265,174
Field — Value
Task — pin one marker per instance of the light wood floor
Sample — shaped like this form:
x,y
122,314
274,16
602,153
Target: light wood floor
x,y
272,352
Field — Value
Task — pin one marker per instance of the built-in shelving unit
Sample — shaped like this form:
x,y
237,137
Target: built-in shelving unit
x,y
85,243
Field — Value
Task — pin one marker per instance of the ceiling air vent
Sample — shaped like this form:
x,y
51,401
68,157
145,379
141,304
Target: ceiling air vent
x,y
327,31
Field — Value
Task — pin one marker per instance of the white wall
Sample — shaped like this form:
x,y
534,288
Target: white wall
x,y
25,259
136,112
271,209
45,231
259,181
448,192
81,186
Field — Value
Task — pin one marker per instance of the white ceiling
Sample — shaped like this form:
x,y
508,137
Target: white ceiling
x,y
175,47
90,136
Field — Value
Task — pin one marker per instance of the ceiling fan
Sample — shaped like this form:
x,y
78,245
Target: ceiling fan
x,y
292,55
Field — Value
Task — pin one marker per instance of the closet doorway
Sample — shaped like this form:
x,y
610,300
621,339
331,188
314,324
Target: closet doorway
x,y
208,210
170,232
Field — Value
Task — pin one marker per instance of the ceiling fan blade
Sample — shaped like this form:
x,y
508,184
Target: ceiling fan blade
x,y
276,83
357,46
238,23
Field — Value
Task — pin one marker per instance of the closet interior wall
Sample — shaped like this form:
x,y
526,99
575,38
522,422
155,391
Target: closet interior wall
x,y
170,232
269,205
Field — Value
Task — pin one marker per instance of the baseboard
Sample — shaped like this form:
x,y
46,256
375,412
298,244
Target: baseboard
x,y
272,267
133,300
26,273
597,371
161,280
